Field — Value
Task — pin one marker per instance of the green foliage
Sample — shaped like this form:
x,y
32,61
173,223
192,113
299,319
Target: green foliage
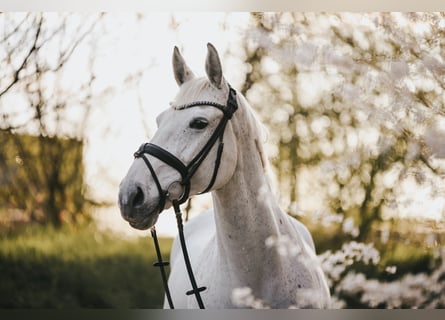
x,y
60,268
42,178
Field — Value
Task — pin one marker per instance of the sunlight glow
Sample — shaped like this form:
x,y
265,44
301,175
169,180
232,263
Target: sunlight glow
x,y
124,116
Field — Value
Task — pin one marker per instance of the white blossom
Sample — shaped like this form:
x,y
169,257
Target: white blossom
x,y
349,227
284,245
335,264
305,54
435,140
326,219
434,65
391,269
244,298
399,69
307,298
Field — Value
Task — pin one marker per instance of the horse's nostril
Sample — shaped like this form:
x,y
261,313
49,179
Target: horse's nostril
x,y
138,198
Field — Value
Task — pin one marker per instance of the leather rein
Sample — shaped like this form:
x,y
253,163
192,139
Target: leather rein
x,y
186,172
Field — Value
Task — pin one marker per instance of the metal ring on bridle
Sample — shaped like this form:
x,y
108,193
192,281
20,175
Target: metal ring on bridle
x,y
172,195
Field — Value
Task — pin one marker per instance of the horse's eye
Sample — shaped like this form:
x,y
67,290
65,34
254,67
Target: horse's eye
x,y
198,123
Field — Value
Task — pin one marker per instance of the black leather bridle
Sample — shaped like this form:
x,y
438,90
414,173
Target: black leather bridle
x,y
187,172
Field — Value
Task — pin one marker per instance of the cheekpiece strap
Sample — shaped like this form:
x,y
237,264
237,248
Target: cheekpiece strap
x,y
232,105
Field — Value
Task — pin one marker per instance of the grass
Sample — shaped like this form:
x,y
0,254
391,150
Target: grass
x,y
48,268
41,267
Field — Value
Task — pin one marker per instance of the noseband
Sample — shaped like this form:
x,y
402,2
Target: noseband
x,y
186,172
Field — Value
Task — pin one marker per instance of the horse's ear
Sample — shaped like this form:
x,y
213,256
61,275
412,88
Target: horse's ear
x,y
213,66
180,69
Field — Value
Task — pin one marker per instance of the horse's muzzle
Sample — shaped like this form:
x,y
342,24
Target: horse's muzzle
x,y
135,208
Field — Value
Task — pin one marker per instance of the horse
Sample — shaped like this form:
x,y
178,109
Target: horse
x,y
237,247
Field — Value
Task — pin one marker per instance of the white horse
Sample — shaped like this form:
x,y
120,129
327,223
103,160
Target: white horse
x,y
246,241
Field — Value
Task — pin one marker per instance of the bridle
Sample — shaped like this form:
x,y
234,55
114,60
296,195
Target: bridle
x,y
186,172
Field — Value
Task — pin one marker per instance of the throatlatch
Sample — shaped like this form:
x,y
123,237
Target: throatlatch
x,y
186,172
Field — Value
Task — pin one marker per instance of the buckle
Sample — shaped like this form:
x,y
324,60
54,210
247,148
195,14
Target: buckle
x,y
140,151
232,105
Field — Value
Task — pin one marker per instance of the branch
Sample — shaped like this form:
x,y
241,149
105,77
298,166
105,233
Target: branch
x,y
6,37
426,162
67,54
25,61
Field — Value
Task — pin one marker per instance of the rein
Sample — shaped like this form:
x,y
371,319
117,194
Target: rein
x,y
186,172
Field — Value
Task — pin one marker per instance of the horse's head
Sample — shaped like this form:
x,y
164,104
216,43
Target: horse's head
x,y
173,165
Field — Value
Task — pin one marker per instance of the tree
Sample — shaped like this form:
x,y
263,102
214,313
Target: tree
x,y
356,99
44,113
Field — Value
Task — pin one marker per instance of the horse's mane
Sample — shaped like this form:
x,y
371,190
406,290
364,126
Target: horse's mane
x,y
260,134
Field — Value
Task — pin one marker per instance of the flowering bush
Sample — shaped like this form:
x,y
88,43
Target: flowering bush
x,y
420,290
335,264
351,286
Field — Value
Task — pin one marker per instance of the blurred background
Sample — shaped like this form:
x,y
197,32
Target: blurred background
x,y
354,106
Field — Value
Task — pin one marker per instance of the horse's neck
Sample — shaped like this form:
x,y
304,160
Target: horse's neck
x,y
246,214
